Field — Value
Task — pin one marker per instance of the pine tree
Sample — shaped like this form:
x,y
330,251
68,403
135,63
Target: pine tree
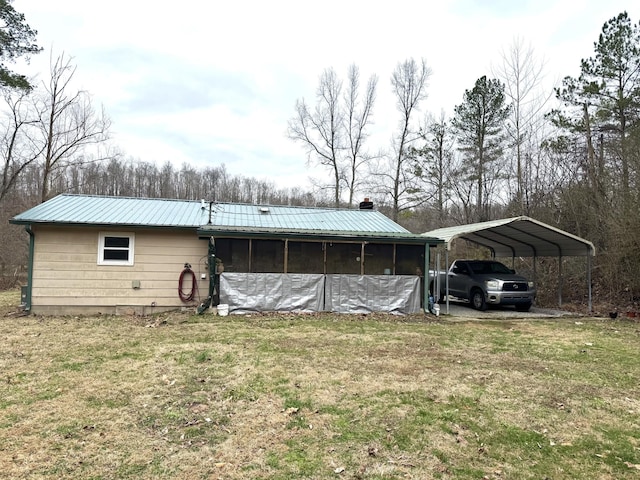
x,y
16,40
479,125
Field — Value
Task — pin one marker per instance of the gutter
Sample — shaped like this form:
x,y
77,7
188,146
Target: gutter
x,y
328,236
27,306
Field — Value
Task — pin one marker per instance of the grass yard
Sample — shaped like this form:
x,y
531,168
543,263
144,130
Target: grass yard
x,y
317,397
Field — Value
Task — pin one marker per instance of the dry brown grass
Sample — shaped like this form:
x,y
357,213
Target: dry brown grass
x,y
321,396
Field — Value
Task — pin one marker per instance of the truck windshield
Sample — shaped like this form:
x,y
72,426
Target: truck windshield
x,y
488,267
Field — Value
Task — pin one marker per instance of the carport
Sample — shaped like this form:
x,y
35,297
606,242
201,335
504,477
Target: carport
x,y
521,237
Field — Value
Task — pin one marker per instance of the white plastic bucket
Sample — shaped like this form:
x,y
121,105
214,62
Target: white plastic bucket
x,y
223,309
436,310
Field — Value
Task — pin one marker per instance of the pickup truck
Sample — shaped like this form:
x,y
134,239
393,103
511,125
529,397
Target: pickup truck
x,y
487,282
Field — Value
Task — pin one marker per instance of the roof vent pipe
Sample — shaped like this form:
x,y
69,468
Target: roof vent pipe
x,y
366,205
210,211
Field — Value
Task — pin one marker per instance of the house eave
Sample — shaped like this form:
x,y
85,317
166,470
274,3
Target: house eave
x,y
374,237
119,226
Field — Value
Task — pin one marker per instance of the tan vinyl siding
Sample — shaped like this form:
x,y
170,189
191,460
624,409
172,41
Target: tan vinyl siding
x,y
68,279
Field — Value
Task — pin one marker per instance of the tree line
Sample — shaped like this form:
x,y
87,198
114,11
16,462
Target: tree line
x,y
569,156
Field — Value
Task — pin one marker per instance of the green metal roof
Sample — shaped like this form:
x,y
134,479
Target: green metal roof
x,y
121,211
301,218
217,218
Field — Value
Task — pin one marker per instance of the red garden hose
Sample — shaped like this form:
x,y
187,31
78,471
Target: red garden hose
x,y
191,295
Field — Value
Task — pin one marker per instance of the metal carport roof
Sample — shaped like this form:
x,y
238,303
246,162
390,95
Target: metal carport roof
x,y
522,237
517,237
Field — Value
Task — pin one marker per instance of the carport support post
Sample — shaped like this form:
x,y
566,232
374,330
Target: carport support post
x,y
446,276
425,283
560,280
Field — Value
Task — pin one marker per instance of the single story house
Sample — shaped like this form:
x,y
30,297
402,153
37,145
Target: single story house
x,y
112,255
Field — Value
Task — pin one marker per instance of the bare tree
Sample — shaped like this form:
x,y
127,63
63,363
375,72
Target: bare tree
x,y
67,123
398,180
434,162
334,132
522,74
17,148
463,210
321,130
359,113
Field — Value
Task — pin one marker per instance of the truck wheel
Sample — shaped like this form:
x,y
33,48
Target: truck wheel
x,y
477,299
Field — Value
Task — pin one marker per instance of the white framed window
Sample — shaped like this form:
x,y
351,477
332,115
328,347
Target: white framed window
x,y
115,248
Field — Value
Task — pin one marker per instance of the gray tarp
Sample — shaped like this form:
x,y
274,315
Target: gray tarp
x,y
372,293
272,292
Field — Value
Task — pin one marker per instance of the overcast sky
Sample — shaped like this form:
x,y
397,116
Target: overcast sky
x,y
209,82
